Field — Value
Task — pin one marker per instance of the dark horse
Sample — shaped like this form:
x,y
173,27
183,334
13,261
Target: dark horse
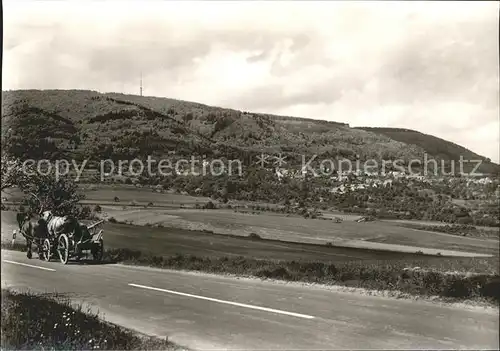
x,y
33,231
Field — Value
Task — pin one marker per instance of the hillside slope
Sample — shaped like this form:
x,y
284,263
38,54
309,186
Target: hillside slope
x,y
435,146
80,123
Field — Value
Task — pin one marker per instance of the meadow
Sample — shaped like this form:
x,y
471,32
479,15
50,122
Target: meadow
x,y
103,194
298,229
145,207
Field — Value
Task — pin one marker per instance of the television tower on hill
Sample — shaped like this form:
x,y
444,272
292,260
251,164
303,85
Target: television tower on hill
x,y
141,85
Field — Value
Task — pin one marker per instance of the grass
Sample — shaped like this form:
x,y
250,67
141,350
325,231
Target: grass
x,y
49,322
171,241
296,229
106,193
454,278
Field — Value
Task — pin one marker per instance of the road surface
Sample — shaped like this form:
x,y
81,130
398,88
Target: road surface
x,y
212,312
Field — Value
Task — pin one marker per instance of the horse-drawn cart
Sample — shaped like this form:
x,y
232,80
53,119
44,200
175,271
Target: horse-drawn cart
x,y
63,236
67,247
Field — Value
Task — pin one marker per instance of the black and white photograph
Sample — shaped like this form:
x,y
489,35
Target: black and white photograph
x,y
250,175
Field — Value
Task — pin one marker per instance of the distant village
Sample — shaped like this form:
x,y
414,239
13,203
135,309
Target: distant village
x,y
360,180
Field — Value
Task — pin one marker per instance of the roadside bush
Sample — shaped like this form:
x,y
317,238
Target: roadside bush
x,y
49,322
277,273
254,236
209,206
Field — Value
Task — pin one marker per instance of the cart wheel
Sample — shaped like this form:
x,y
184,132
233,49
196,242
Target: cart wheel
x,y
46,253
98,251
63,248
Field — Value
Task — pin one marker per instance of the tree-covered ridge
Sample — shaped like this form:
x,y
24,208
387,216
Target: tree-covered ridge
x,y
100,121
435,146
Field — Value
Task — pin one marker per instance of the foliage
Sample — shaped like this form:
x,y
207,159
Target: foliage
x,y
437,147
43,191
209,205
127,126
49,322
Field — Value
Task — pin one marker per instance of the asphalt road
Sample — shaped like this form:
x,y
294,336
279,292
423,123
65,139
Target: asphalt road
x,y
210,312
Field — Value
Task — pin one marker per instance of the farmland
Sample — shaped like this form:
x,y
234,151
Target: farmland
x,y
164,211
296,229
106,194
171,241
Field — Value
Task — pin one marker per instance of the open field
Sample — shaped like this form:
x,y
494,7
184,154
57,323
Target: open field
x,y
103,194
297,229
382,235
172,241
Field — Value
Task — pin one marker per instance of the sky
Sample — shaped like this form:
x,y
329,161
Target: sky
x,y
428,66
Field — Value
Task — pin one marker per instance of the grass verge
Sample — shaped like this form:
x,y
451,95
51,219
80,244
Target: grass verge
x,y
455,278
49,322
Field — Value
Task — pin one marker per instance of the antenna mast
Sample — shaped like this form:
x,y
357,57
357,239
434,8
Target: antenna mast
x,y
141,84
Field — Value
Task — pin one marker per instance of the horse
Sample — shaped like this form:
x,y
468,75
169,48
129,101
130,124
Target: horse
x,y
32,230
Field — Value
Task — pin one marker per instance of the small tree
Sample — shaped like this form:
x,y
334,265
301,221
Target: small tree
x,y
48,192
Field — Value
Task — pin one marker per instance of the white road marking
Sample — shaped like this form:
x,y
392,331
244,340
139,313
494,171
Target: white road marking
x,y
29,265
226,302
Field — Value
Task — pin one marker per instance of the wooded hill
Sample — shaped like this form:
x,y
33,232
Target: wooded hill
x,y
87,124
